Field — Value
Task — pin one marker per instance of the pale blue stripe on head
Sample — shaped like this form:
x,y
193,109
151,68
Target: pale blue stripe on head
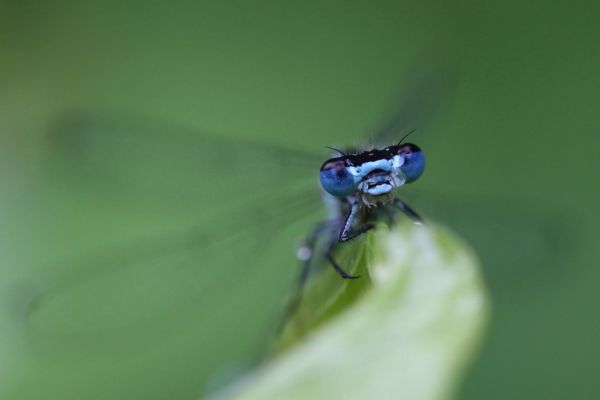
x,y
368,167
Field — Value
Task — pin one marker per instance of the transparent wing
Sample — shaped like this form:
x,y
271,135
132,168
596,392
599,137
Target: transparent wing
x,y
213,218
161,162
191,275
518,241
204,301
427,91
521,244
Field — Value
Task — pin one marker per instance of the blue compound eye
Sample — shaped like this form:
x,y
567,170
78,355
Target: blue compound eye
x,y
414,161
336,179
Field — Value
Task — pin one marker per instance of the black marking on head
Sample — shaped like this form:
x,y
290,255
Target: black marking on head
x,y
408,148
362,157
372,155
336,163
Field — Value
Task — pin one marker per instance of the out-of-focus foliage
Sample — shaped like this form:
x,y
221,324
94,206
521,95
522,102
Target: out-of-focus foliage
x,y
408,335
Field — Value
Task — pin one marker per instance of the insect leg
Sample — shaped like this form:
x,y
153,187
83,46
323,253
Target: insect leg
x,y
410,213
345,233
305,254
335,265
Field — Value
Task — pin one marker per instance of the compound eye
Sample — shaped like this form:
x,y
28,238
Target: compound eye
x,y
414,161
407,150
336,179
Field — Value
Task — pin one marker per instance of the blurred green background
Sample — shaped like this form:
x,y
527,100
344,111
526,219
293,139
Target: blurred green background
x,y
512,161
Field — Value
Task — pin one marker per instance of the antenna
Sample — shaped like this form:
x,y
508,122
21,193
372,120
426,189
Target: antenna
x,y
339,151
405,136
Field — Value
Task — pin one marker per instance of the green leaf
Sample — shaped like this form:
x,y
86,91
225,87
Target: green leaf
x,y
407,331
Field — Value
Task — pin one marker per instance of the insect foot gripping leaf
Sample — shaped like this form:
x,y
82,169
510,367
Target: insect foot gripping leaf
x,y
410,335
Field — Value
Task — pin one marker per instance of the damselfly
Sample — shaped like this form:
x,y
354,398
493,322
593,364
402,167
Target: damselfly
x,y
185,228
